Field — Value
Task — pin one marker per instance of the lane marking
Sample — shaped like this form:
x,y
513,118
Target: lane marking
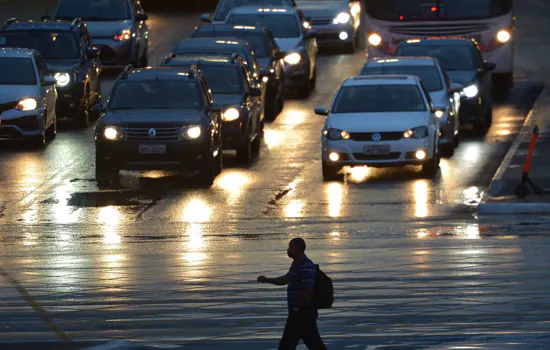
x,y
42,313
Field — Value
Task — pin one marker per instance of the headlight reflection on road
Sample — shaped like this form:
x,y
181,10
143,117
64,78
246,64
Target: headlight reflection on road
x,y
63,213
294,209
335,194
196,211
358,173
293,118
234,183
109,218
421,198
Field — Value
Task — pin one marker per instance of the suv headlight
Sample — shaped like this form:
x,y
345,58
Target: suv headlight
x,y
27,104
293,58
230,114
124,35
336,134
191,132
63,79
113,133
341,18
471,91
416,133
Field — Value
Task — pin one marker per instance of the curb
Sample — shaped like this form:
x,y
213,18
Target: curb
x,y
513,208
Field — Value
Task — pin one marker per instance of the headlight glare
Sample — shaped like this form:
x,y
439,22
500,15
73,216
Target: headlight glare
x,y
342,18
230,115
293,58
471,91
336,134
375,39
27,104
193,132
112,133
355,8
124,35
63,79
503,36
439,113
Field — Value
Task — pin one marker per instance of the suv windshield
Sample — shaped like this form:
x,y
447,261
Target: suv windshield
x,y
258,41
451,57
429,74
163,94
379,98
413,10
281,26
226,6
17,71
52,45
94,10
220,79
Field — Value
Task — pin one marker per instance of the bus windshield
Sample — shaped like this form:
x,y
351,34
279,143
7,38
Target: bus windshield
x,y
426,10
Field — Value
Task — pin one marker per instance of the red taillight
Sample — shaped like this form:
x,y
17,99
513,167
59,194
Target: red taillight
x,y
434,9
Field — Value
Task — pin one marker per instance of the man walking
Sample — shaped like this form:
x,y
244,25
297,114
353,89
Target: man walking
x,y
302,314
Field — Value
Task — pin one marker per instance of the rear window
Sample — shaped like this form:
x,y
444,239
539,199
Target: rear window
x,y
226,6
258,41
163,94
379,98
94,10
17,71
281,26
52,45
220,79
429,74
451,57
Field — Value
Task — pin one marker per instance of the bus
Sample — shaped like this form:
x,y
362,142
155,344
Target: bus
x,y
490,23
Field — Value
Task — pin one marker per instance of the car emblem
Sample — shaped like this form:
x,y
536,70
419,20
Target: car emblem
x,y
376,137
152,133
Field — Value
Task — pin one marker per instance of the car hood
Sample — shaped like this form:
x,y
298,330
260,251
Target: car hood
x,y
227,99
55,66
152,117
13,93
107,29
464,77
321,8
288,44
440,98
377,122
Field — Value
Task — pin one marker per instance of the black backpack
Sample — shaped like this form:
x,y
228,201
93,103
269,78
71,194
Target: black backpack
x,y
323,292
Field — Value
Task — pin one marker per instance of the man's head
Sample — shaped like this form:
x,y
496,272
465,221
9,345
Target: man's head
x,y
296,248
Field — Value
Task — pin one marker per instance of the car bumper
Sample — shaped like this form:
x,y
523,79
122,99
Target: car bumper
x,y
296,77
69,99
402,152
124,155
471,110
234,135
115,53
19,124
334,34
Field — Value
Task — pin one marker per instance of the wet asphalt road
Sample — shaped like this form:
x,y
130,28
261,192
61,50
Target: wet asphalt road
x,y
164,262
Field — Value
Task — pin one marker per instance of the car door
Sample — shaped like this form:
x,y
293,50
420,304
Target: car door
x,y
91,66
253,103
48,92
484,76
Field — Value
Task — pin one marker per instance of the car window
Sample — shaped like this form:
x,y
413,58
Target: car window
x,y
17,71
258,41
226,6
94,10
429,74
42,69
451,57
163,94
223,79
52,45
379,98
281,26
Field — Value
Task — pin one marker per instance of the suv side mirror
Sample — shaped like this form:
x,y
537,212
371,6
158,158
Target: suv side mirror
x,y
489,66
321,111
98,108
312,33
279,55
455,88
142,17
93,53
255,92
49,80
205,17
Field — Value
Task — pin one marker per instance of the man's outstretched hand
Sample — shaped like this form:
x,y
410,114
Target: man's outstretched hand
x,y
262,279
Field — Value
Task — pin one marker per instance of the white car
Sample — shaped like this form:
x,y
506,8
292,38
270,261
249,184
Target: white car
x,y
445,95
380,121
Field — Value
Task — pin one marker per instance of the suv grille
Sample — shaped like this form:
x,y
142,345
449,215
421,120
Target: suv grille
x,y
164,134
320,21
367,136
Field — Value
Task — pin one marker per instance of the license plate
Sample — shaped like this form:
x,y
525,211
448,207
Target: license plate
x,y
375,150
152,149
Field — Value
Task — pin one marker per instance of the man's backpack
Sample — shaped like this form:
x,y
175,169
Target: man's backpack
x,y
323,292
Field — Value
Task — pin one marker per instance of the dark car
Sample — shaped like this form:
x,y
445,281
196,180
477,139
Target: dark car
x,y
292,34
232,88
159,119
118,28
268,55
66,49
225,6
464,64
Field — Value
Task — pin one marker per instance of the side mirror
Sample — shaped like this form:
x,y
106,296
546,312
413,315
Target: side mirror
x,y
205,17
490,66
312,33
98,108
455,88
142,17
279,55
93,53
216,108
49,80
321,111
255,92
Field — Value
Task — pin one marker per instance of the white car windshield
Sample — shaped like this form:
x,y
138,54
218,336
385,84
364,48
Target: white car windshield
x,y
379,98
17,71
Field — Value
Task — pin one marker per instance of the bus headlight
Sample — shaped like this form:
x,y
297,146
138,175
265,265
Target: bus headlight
x,y
375,39
471,91
504,36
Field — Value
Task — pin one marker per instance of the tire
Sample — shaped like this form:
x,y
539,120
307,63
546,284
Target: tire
x,y
350,48
257,143
482,126
219,161
39,142
330,172
105,176
144,60
52,130
244,153
209,170
271,107
83,118
429,170
448,150
313,80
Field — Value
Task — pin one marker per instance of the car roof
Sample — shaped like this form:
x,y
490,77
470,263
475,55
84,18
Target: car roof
x,y
198,59
12,52
158,73
212,43
401,61
438,42
382,80
40,25
236,28
272,10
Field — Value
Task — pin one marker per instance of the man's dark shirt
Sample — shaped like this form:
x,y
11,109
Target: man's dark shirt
x,y
299,281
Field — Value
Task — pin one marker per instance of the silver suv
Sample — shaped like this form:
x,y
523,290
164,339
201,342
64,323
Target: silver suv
x,y
27,97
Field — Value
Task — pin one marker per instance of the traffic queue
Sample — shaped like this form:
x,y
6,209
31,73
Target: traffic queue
x,y
215,90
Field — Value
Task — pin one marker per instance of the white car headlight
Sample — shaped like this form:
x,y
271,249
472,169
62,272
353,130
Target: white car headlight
x,y
27,104
191,132
230,115
63,79
342,18
471,91
112,133
293,58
